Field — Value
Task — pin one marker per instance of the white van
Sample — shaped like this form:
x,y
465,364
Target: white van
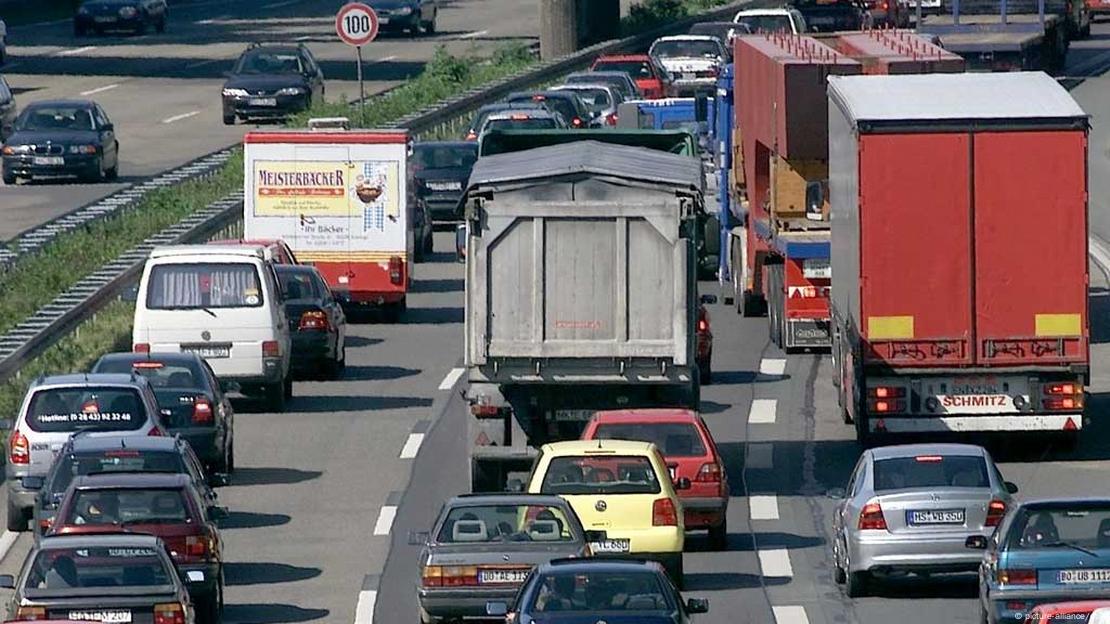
x,y
223,303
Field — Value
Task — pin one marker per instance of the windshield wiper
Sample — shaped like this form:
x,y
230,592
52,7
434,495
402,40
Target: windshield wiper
x,y
1060,544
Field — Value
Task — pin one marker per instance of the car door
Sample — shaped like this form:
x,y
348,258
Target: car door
x,y
7,109
224,413
315,75
107,137
334,311
838,514
197,473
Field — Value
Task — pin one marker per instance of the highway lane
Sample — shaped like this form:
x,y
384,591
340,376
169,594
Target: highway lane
x,y
162,91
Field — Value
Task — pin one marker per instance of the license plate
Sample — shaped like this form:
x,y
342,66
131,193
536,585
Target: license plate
x,y
1083,576
937,516
209,352
689,75
494,577
576,415
262,102
121,615
382,20
611,546
445,186
105,19
54,161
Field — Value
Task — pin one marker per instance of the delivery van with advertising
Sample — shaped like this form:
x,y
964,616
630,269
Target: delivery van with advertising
x,y
339,199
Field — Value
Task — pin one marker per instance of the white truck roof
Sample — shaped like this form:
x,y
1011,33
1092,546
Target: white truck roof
x,y
170,251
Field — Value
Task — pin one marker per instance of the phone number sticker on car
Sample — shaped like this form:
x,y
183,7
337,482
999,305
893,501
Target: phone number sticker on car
x,y
1100,575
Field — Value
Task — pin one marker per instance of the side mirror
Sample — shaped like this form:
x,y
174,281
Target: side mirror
x,y
497,609
976,542
596,536
697,605
815,201
33,483
108,127
709,299
418,538
836,493
218,479
683,483
215,512
7,581
1011,488
130,294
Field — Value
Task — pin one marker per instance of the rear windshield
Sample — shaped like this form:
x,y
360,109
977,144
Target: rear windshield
x,y
673,439
532,123
614,81
1064,528
159,374
57,570
590,592
123,460
203,286
505,523
594,99
636,69
604,474
426,157
931,471
563,106
767,23
299,285
127,506
686,48
73,409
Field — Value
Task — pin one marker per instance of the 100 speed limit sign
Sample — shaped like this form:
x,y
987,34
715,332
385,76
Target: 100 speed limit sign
x,y
356,24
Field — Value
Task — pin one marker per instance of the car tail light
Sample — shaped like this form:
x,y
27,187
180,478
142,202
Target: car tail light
x,y
202,411
576,122
929,459
395,264
484,410
472,136
24,614
611,119
271,348
703,324
196,545
314,320
449,576
663,513
169,613
20,449
709,473
995,510
431,576
141,347
45,524
871,518
1017,577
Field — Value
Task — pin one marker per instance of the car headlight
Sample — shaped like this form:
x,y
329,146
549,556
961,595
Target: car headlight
x,y
235,92
12,150
82,149
290,91
405,10
128,12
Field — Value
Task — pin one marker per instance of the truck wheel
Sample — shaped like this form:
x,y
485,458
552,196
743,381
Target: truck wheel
x,y
394,312
17,520
863,433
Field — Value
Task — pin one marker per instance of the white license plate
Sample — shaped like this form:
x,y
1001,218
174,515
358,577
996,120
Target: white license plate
x,y
209,352
445,186
611,546
262,102
382,20
816,269
121,615
689,75
54,161
937,516
583,415
105,19
495,577
1101,575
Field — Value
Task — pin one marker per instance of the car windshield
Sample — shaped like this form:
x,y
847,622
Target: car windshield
x,y
444,157
600,474
203,286
122,460
599,591
263,62
673,439
767,23
56,118
158,374
298,284
56,410
1077,527
119,506
596,99
505,523
931,471
616,82
686,48
57,571
637,69
530,123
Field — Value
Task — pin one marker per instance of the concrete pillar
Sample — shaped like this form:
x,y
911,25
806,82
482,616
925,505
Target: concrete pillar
x,y
558,28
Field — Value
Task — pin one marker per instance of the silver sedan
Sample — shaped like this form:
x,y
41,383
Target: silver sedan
x,y
912,508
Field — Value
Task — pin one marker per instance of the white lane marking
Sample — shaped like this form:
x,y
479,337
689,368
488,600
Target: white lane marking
x,y
790,615
412,445
278,5
471,35
775,563
385,520
364,610
202,63
452,377
169,120
100,89
205,22
305,38
7,540
772,367
64,20
74,51
760,455
763,411
384,59
1099,252
763,507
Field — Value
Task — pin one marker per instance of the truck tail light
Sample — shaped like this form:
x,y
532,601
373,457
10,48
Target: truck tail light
x,y
169,613
663,513
871,518
709,473
449,576
887,392
314,320
1062,396
1017,577
884,406
19,449
202,411
995,510
141,347
395,264
271,349
25,614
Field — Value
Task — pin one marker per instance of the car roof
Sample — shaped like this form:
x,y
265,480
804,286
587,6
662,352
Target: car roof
x,y
583,447
97,444
600,72
255,242
762,12
913,450
90,379
648,415
468,500
688,38
60,103
531,113
100,539
471,145
131,480
1063,502
624,57
273,47
131,356
601,565
170,251
578,86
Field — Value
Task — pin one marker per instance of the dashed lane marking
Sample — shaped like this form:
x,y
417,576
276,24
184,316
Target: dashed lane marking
x,y
775,563
364,610
170,120
772,366
7,540
74,51
385,519
762,411
451,378
100,89
790,615
760,455
412,445
472,35
763,507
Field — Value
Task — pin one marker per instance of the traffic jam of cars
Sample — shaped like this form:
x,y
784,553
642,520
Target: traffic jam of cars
x,y
714,158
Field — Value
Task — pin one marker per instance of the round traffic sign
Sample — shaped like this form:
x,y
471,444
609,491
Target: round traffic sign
x,y
356,24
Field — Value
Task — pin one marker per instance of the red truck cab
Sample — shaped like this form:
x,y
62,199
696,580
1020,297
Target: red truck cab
x,y
649,77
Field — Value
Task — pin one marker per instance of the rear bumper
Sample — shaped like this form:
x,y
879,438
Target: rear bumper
x,y
309,347
665,539
703,513
203,441
926,552
987,422
19,496
460,603
444,206
268,371
284,105
206,588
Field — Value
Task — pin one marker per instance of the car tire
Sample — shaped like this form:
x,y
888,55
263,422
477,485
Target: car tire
x,y
335,367
9,178
275,396
856,584
414,30
839,575
287,388
429,243
113,173
430,27
140,30
394,312
718,536
231,457
17,519
208,611
229,120
678,576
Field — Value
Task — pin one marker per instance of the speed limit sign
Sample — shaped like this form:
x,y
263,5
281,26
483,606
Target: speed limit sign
x,y
356,24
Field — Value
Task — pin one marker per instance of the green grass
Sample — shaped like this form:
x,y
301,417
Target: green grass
x,y
33,11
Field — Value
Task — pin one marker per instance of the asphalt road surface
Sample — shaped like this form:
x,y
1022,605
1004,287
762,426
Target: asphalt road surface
x,y
162,91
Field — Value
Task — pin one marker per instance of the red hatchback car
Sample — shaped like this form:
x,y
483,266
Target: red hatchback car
x,y
689,451
1059,612
279,250
648,76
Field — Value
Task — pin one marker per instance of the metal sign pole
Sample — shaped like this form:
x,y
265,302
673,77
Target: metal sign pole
x,y
361,91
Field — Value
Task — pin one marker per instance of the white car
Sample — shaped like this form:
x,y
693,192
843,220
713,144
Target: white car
x,y
692,62
772,20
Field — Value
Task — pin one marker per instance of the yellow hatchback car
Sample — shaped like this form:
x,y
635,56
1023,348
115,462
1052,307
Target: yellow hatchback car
x,y
622,488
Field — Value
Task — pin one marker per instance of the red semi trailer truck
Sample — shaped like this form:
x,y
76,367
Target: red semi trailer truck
x,y
960,294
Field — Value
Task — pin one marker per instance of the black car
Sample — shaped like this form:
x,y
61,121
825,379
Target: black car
x,y
191,399
722,31
271,82
82,456
316,321
479,120
7,109
834,15
402,15
54,138
596,590
440,171
566,103
133,15
118,577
